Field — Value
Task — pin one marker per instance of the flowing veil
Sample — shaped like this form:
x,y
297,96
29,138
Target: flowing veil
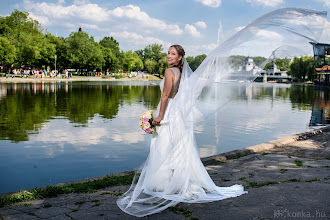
x,y
173,171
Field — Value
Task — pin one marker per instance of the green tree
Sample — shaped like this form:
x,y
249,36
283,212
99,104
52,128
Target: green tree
x,y
132,61
236,60
258,60
7,52
194,62
113,45
150,65
151,56
302,68
110,60
162,65
26,34
61,51
84,52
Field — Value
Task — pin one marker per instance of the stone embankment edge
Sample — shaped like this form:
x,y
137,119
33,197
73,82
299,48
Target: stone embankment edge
x,y
263,147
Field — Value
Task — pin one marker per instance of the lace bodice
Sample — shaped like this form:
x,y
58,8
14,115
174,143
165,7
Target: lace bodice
x,y
176,82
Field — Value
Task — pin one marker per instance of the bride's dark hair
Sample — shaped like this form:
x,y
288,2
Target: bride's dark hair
x,y
181,53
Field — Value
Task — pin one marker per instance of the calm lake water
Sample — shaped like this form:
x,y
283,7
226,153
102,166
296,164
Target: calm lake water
x,y
59,132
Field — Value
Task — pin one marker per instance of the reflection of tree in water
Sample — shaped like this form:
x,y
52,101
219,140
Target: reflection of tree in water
x,y
25,107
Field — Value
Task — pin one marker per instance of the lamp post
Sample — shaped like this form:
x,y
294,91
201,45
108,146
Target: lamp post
x,y
55,63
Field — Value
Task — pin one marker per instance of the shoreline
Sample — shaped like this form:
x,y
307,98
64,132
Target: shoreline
x,y
218,158
80,79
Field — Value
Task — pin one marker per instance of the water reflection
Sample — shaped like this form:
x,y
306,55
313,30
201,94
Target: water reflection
x,y
25,108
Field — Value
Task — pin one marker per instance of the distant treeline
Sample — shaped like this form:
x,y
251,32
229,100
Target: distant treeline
x,y
24,43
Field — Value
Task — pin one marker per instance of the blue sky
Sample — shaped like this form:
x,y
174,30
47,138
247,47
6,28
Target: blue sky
x,y
137,23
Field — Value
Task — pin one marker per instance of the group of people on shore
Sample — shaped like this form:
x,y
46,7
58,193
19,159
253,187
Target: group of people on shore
x,y
39,73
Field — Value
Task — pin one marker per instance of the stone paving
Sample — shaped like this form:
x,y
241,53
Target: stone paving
x,y
290,181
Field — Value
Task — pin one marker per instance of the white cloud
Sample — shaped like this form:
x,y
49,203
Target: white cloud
x,y
269,35
138,41
134,14
61,1
58,13
201,24
239,28
123,17
325,38
41,19
326,3
81,2
210,3
271,3
197,49
192,30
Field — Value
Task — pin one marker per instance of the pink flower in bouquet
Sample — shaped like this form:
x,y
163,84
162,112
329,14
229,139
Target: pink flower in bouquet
x,y
145,120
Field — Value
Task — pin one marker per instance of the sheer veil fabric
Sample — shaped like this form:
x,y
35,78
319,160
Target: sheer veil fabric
x,y
173,171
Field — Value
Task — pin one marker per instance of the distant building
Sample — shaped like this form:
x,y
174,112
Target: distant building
x,y
249,67
322,63
273,71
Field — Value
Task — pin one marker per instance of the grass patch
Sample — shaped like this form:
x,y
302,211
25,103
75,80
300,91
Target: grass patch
x,y
113,193
225,180
251,175
75,210
220,160
96,204
80,202
95,200
283,170
299,163
239,156
261,184
325,166
47,205
264,153
26,204
179,210
31,213
243,179
52,191
328,157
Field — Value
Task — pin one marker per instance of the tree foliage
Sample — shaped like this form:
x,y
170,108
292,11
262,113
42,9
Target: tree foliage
x,y
194,62
302,67
132,61
153,58
7,52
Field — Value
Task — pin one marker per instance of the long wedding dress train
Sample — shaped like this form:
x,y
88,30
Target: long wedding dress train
x,y
173,171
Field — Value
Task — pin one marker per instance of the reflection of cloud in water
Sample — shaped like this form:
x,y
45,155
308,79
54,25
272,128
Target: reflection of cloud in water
x,y
82,136
128,137
207,150
199,128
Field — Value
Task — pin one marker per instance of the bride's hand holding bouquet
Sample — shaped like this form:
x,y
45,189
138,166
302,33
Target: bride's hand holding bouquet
x,y
157,120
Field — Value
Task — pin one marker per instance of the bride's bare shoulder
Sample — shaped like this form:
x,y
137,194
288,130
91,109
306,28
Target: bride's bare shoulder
x,y
169,72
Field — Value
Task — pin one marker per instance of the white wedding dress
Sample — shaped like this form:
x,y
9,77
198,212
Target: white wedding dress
x,y
173,171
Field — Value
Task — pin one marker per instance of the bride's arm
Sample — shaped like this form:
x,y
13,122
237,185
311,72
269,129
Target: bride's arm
x,y
169,76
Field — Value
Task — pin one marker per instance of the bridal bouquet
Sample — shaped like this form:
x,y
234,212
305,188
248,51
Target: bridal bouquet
x,y
146,122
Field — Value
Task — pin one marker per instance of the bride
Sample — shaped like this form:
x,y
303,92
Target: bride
x,y
173,171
